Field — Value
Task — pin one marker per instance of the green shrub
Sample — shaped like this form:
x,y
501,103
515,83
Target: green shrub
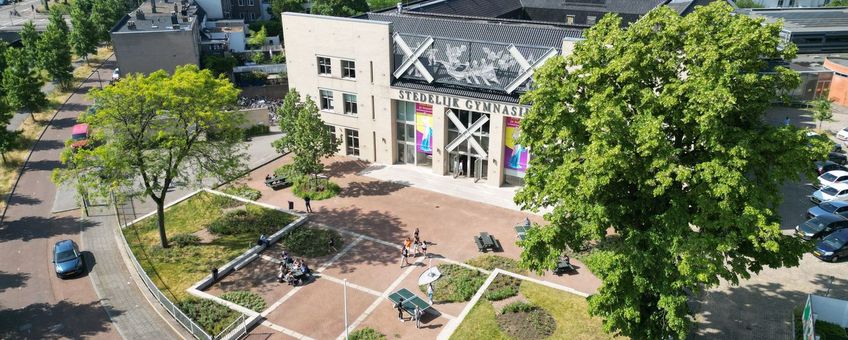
x,y
252,219
366,333
829,331
208,314
490,262
243,191
246,299
285,170
502,287
184,240
317,190
518,307
279,58
457,283
257,130
311,242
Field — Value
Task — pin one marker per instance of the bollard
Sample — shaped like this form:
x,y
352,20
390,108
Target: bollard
x,y
291,205
214,274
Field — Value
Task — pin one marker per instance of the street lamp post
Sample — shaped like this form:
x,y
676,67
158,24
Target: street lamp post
x,y
345,309
99,80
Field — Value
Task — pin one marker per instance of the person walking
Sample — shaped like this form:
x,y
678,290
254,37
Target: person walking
x,y
415,248
399,307
407,244
404,253
430,292
308,201
424,248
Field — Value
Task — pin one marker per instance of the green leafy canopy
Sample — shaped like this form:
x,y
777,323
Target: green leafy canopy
x,y
304,135
655,136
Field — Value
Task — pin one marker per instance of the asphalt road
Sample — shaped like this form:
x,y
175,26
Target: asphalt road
x,y
9,22
34,303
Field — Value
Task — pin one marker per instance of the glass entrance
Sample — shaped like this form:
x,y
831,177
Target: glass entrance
x,y
468,132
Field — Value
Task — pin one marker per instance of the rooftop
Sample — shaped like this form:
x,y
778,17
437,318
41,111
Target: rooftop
x,y
170,16
823,19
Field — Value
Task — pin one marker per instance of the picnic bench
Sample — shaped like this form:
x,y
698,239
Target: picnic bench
x,y
564,265
412,304
277,182
485,242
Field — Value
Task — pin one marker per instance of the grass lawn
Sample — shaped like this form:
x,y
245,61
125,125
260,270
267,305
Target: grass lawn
x,y
175,269
30,130
569,311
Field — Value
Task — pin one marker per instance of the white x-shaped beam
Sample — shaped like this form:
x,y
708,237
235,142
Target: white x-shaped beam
x,y
526,68
411,57
465,134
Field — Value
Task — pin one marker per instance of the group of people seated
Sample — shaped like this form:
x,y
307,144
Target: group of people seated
x,y
292,271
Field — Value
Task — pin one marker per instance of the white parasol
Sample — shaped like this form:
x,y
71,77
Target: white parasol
x,y
428,276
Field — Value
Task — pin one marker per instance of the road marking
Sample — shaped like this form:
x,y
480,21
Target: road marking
x,y
284,330
351,285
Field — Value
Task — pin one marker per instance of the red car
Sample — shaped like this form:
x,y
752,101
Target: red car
x,y
79,136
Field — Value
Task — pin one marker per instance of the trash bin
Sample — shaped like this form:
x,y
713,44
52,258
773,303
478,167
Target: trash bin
x,y
214,274
291,205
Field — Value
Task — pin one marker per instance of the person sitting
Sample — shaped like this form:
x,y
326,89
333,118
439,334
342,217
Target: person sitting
x,y
263,241
288,260
281,274
305,269
290,278
268,176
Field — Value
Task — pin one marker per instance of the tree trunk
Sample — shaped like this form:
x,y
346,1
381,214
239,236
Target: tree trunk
x,y
46,6
160,216
32,114
3,154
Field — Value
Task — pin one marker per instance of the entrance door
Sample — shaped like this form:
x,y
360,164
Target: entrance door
x,y
469,135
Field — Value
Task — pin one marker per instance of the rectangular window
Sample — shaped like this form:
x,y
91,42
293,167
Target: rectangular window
x,y
590,20
252,15
241,2
348,69
250,2
352,141
324,66
332,130
349,104
326,100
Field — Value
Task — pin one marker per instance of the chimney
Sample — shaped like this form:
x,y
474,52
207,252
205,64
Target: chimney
x,y
174,20
569,19
399,7
175,7
131,25
153,6
139,14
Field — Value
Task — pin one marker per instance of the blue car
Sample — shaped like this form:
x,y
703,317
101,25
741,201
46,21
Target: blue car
x,y
67,259
821,226
833,247
832,207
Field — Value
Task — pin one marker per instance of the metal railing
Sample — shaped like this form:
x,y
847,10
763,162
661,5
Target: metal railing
x,y
237,323
181,317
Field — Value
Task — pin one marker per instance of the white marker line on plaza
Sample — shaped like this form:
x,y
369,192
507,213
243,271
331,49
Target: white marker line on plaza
x,y
351,285
380,299
339,255
284,330
369,238
269,258
445,259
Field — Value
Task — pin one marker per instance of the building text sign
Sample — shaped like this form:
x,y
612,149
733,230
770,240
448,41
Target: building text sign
x,y
463,103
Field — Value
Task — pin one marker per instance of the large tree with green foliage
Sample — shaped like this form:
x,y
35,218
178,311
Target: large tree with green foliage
x,y
280,6
84,35
257,38
821,109
304,135
22,83
649,143
104,15
339,8
152,130
56,51
838,3
29,39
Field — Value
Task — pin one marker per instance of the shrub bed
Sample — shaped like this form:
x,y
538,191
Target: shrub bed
x,y
366,333
246,299
526,321
490,262
251,219
208,314
457,283
185,240
312,242
502,287
317,190
243,191
257,130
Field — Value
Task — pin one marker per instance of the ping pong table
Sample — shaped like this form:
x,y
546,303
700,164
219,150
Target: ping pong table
x,y
522,231
411,302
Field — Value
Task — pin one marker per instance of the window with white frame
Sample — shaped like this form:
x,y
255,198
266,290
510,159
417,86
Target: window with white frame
x,y
326,100
349,104
324,66
241,2
352,141
250,2
348,69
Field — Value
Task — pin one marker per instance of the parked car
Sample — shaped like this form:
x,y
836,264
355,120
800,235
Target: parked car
x,y
837,157
820,226
835,192
79,136
67,259
842,134
825,166
832,207
833,246
830,177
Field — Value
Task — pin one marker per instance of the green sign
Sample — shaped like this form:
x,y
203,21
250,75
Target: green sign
x,y
807,320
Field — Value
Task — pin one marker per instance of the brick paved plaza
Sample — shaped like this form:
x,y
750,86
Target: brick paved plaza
x,y
374,217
